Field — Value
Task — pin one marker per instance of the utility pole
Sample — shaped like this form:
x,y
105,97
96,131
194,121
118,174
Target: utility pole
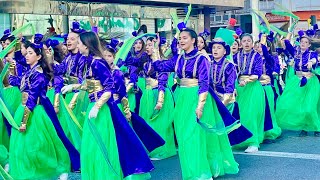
x,y
255,30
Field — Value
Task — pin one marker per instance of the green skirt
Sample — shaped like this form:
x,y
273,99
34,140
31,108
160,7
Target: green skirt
x,y
93,164
71,130
297,106
12,97
275,132
81,105
132,100
4,142
37,153
161,121
201,155
289,74
251,101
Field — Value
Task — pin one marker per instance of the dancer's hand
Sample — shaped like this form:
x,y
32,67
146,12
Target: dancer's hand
x,y
199,113
242,83
23,128
158,106
93,112
56,109
309,65
67,88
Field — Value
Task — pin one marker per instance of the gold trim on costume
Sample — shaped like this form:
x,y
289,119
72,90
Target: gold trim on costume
x,y
12,68
187,82
25,117
56,103
129,87
228,98
265,79
115,97
93,86
301,74
126,107
73,101
103,99
151,83
160,97
248,79
202,101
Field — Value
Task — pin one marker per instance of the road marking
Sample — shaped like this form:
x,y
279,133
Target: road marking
x,y
282,154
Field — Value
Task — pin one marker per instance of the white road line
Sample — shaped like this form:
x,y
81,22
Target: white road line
x,y
282,154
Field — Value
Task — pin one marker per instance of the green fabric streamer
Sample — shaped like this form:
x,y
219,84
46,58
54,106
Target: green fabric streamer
x,y
126,47
175,20
20,30
284,12
8,48
188,14
277,30
262,20
7,115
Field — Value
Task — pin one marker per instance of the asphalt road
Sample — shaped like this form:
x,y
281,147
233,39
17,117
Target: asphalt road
x,y
289,158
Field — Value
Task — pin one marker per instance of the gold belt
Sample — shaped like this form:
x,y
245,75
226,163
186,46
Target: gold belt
x,y
265,79
308,75
187,82
244,78
93,86
151,83
25,97
71,80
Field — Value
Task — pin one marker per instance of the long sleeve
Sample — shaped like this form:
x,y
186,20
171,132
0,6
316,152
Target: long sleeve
x,y
61,69
82,68
276,68
203,74
162,81
14,80
165,65
102,71
289,48
174,46
257,66
37,84
230,75
119,83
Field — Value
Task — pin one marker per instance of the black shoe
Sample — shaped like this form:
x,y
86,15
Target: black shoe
x,y
269,141
317,134
303,133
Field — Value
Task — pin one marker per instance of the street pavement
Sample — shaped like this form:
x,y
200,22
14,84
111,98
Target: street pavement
x,y
289,158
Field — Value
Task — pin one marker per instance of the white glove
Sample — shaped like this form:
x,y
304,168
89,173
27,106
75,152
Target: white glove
x,y
93,112
67,88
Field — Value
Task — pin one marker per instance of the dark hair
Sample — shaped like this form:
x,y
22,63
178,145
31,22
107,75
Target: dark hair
x,y
44,62
11,38
161,53
26,43
91,40
58,53
193,35
246,34
143,28
271,46
143,47
205,44
5,80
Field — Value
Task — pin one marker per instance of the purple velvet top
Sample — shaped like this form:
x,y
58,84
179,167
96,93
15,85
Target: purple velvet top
x,y
149,72
188,61
72,65
249,64
268,62
223,76
34,83
21,67
119,83
57,81
100,70
135,63
301,59
276,67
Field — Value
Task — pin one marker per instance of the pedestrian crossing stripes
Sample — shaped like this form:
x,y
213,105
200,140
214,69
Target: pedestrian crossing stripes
x,y
282,155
